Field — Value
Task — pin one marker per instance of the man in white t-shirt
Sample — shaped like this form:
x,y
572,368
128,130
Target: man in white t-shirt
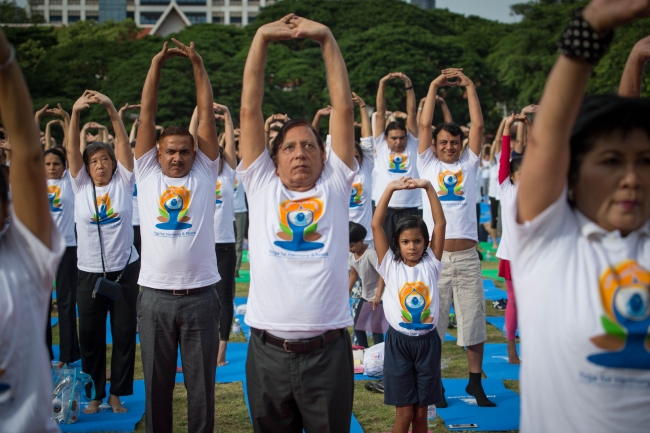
x,y
30,249
299,370
178,304
454,177
396,154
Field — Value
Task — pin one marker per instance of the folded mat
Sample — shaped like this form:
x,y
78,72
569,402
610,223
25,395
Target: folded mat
x,y
500,323
496,365
462,407
492,293
234,371
106,420
355,427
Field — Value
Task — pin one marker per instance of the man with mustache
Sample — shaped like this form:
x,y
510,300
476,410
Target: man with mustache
x,y
178,304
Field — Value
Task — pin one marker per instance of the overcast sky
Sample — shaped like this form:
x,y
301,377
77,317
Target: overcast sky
x,y
491,9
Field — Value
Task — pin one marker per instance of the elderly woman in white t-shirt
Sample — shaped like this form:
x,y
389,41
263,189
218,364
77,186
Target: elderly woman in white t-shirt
x,y
30,250
102,181
298,306
582,264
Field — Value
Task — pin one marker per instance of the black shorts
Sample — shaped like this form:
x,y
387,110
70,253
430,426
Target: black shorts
x,y
412,369
494,211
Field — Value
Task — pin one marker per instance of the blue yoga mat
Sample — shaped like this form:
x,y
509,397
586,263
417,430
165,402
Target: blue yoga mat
x,y
485,213
500,323
109,335
492,293
496,365
355,427
462,407
244,327
54,321
106,420
234,371
57,353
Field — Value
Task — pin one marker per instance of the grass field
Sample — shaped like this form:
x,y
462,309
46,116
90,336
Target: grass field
x,y
369,408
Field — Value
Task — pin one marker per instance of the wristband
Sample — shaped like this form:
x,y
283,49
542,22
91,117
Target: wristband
x,y
581,41
362,106
10,60
408,88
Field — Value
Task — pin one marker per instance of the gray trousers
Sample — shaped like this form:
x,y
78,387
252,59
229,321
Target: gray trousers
x,y
241,218
291,391
165,322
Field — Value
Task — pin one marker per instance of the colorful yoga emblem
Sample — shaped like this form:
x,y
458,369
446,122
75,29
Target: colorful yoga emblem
x,y
298,224
451,186
54,195
355,196
173,206
414,298
397,163
625,293
217,193
106,213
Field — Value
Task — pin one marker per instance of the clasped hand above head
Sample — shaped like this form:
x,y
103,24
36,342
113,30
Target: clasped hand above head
x,y
409,183
294,27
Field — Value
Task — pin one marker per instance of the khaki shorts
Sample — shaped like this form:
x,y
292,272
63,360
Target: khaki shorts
x,y
461,278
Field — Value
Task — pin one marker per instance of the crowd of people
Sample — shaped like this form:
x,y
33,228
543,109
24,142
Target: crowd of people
x,y
148,228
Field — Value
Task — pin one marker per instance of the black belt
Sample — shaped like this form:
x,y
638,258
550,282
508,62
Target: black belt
x,y
185,291
299,346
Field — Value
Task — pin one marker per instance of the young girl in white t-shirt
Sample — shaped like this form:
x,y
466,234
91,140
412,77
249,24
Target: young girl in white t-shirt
x,y
411,268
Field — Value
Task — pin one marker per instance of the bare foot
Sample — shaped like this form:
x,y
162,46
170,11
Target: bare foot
x,y
221,358
115,403
513,358
92,407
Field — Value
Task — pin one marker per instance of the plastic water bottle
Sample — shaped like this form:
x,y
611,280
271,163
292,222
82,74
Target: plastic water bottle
x,y
236,327
431,415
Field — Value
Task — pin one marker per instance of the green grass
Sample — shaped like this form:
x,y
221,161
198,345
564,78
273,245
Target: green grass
x,y
369,408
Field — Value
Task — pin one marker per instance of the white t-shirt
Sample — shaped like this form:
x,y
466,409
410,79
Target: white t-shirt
x,y
240,196
493,187
583,296
508,193
136,209
27,269
177,224
479,183
393,166
366,267
485,173
298,249
59,192
115,206
456,187
361,194
411,295
224,210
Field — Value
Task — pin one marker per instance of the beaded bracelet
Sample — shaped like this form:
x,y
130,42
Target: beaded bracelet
x,y
10,60
580,40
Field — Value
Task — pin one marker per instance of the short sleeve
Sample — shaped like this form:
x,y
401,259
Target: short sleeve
x,y
125,176
436,265
380,142
227,172
146,165
427,160
80,181
351,260
368,153
206,166
328,146
338,175
372,257
386,264
258,175
470,159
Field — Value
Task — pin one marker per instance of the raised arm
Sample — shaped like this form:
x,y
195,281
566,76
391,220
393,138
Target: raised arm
x,y
518,144
146,139
194,125
268,125
366,129
633,73
49,141
437,243
27,177
504,161
134,130
65,117
548,153
475,114
426,118
252,140
446,114
229,152
380,114
381,241
73,150
39,114
122,145
411,109
342,115
323,112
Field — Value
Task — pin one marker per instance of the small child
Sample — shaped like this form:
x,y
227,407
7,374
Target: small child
x,y
363,263
411,268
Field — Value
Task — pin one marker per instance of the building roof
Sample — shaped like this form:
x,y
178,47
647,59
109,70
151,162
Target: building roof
x,y
171,21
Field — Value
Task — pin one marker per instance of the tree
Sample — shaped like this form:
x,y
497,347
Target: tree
x,y
11,13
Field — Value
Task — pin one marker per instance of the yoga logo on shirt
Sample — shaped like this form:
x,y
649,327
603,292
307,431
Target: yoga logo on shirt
x,y
217,193
236,184
135,190
106,213
414,298
173,206
298,224
355,196
451,186
397,163
625,293
54,195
